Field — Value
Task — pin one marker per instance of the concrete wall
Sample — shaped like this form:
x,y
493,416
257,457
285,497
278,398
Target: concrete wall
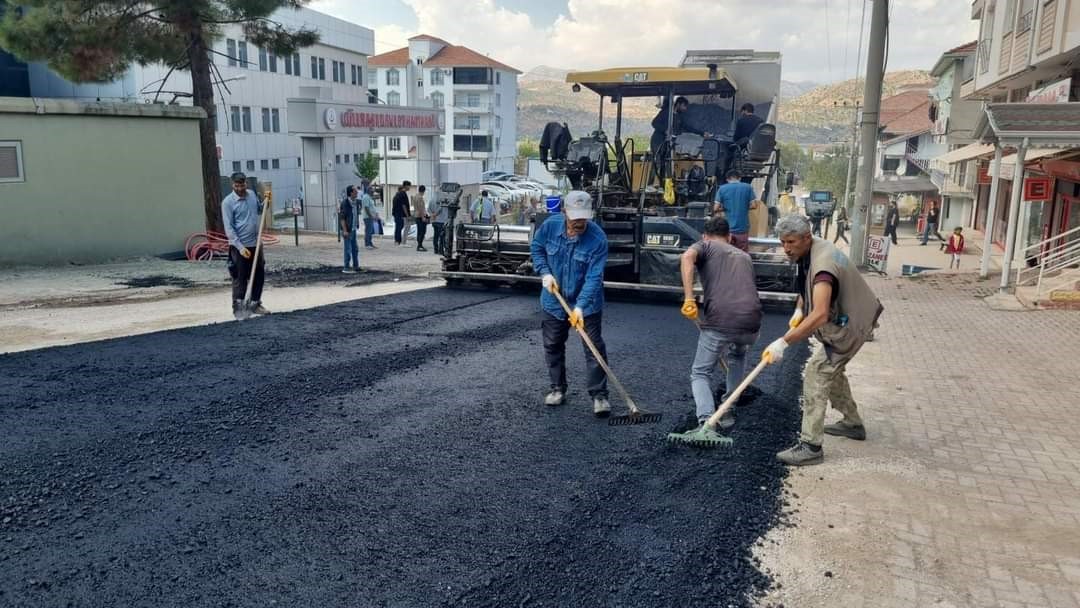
x,y
101,181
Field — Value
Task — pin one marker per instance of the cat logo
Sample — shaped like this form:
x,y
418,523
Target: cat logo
x,y
635,77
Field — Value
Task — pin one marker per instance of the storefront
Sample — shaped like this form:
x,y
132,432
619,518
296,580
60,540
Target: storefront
x,y
1061,214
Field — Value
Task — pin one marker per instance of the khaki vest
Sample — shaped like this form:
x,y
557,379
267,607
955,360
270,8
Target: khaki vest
x,y
855,301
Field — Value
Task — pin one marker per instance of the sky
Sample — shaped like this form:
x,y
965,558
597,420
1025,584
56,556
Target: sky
x,y
818,38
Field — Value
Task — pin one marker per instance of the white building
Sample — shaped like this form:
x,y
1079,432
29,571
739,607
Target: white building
x,y
478,93
252,133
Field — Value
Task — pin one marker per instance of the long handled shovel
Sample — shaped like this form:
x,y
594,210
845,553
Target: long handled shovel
x,y
636,415
245,307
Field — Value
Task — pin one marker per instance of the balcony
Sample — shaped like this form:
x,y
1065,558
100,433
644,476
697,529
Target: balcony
x,y
480,108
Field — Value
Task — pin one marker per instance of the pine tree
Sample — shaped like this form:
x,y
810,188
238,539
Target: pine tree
x,y
97,41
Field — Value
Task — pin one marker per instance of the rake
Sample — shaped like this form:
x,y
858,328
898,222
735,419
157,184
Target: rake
x,y
636,415
705,436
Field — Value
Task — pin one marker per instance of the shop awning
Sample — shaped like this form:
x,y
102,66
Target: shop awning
x,y
966,153
1008,163
904,185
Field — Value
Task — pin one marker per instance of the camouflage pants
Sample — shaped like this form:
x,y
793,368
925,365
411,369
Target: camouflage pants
x,y
824,381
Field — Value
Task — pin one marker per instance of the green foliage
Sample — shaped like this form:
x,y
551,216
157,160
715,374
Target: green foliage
x,y
367,166
528,148
793,158
828,171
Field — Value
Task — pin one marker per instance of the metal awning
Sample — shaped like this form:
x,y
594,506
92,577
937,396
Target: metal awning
x,y
1044,125
1008,163
966,153
903,186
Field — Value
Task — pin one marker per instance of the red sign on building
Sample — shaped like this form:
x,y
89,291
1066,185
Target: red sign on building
x,y
1038,188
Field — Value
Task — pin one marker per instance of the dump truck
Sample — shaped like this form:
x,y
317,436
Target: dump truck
x,y
651,197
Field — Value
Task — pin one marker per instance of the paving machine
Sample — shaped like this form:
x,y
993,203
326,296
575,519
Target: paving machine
x,y
651,198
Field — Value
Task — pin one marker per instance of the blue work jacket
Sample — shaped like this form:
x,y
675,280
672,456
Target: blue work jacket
x,y
577,265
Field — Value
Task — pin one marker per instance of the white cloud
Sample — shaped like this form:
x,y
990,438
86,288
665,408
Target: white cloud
x,y
609,33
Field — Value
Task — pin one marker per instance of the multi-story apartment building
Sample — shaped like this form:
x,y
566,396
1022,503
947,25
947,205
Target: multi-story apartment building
x,y
953,128
1027,53
252,133
478,94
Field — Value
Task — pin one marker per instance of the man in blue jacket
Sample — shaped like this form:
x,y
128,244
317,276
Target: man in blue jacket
x,y
569,253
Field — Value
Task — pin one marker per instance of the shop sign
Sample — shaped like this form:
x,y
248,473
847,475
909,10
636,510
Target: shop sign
x,y
877,252
1038,188
1057,92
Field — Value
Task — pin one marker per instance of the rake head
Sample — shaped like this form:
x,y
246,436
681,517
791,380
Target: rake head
x,y
636,417
701,437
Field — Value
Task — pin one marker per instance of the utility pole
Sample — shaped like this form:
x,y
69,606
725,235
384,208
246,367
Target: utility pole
x,y
864,189
853,148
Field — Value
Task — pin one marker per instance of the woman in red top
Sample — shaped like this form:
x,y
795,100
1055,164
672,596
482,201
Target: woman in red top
x,y
955,246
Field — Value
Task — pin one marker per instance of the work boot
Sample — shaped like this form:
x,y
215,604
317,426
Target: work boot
x,y
845,429
554,397
601,407
347,270
257,309
801,455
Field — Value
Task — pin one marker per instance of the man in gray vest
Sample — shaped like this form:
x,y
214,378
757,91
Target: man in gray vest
x,y
732,312
838,308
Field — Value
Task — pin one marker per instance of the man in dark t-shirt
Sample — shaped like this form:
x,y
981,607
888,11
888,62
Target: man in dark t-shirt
x,y
732,312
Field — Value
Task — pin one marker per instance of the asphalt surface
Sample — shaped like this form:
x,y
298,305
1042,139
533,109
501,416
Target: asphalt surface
x,y
384,452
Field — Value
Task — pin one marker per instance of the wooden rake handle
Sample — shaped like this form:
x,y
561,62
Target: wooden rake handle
x,y
733,397
600,359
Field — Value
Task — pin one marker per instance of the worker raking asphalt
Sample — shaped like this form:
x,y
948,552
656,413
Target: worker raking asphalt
x,y
385,452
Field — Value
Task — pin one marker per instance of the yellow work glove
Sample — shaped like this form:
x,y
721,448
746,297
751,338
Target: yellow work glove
x,y
796,318
577,319
689,309
244,251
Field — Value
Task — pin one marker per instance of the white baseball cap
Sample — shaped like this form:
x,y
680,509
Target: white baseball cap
x,y
577,205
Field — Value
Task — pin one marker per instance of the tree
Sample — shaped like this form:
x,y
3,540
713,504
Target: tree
x,y
828,171
98,41
793,158
367,166
528,148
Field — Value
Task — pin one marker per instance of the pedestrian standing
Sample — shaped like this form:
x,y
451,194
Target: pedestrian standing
x,y
841,225
486,210
838,308
931,224
370,214
892,221
569,252
241,212
955,247
439,216
400,209
420,216
347,219
735,199
732,313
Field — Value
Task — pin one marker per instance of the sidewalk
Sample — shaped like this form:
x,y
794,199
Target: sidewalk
x,y
967,490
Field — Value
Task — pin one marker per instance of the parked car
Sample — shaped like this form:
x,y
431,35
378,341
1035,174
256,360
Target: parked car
x,y
504,191
488,176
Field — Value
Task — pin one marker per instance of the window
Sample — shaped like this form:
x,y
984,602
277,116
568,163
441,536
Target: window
x,y
339,71
295,64
266,120
395,144
264,61
359,75
288,65
275,120
234,113
498,99
473,100
298,162
11,162
496,78
472,76
236,166
352,72
373,78
273,63
393,98
230,50
393,77
420,83
497,146
373,143
479,143
373,96
314,67
322,69
498,122
1010,16
419,61
337,159
242,48
250,165
436,77
275,163
437,100
247,118
472,122
264,165
1024,16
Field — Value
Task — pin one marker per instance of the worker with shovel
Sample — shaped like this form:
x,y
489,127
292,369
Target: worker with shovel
x,y
241,213
838,308
569,253
732,312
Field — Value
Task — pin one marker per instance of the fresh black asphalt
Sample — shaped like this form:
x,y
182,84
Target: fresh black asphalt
x,y
387,452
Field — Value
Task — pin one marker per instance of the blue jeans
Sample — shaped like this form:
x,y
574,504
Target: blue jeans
x,y
369,231
930,229
712,347
351,250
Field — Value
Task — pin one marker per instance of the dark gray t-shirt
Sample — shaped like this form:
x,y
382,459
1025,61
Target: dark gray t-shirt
x,y
727,278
